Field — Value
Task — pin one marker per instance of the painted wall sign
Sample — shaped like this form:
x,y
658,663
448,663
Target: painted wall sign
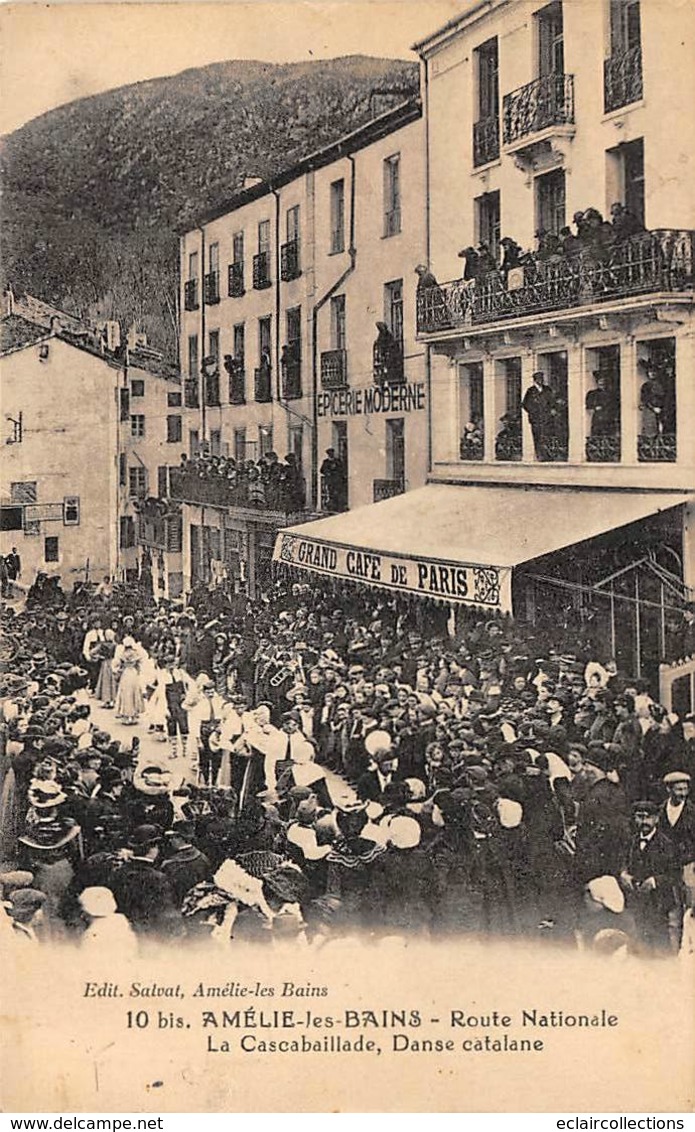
x,y
450,581
371,399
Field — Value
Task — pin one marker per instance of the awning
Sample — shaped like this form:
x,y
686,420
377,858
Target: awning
x,y
456,542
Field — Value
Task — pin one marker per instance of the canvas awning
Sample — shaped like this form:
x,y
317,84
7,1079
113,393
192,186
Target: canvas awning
x,y
457,542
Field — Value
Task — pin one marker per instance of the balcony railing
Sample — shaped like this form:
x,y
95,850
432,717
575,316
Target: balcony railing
x,y
388,364
386,489
547,101
333,369
191,393
291,368
289,261
222,483
622,79
603,449
659,449
235,280
262,384
658,261
190,295
486,140
212,288
261,271
237,380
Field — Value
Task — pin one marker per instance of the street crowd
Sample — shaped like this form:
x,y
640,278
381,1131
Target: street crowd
x,y
324,761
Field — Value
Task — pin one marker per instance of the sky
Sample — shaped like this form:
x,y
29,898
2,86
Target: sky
x,y
53,53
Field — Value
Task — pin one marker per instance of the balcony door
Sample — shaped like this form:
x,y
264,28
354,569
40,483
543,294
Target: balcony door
x,y
550,202
551,48
633,177
626,25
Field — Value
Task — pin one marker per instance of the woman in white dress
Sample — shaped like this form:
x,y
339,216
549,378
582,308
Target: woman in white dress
x,y
127,664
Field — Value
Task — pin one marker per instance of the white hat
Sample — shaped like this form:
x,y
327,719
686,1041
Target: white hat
x,y
98,901
128,642
607,892
404,833
509,813
378,741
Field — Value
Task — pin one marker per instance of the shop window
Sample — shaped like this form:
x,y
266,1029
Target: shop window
x,y
472,409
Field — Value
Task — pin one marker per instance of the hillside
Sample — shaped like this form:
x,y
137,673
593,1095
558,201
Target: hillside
x,y
94,191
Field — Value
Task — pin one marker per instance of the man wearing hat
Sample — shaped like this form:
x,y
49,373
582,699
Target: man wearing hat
x,y
26,911
603,823
650,878
143,893
538,404
677,821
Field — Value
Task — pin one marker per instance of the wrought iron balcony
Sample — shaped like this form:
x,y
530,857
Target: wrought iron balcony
x,y
386,489
262,379
622,79
190,295
235,280
547,101
508,447
333,369
237,380
212,288
603,449
289,261
191,393
486,140
291,368
650,262
388,366
261,271
660,449
222,483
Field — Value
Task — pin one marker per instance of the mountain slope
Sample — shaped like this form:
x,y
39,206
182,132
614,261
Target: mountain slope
x,y
93,191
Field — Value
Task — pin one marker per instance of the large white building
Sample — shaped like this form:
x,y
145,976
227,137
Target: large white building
x,y
282,288
536,502
88,435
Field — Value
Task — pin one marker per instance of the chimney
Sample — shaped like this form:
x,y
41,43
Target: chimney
x,y
56,325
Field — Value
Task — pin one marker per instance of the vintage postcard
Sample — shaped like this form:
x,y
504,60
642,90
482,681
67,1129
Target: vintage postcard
x,y
347,557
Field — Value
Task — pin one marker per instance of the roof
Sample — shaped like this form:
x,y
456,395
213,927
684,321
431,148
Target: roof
x,y
457,525
151,363
473,9
380,127
17,332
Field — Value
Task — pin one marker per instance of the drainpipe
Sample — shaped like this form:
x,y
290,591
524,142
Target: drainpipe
x,y
352,250
278,376
428,348
201,349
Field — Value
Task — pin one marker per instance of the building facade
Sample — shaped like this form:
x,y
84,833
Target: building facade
x,y
561,110
89,431
557,312
282,291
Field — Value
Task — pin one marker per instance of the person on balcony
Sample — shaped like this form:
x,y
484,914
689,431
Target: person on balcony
x,y
652,400
387,356
431,300
601,403
511,256
473,267
624,222
539,406
292,484
333,477
570,244
549,246
486,259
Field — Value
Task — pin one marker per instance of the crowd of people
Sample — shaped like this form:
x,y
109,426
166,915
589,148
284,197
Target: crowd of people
x,y
333,762
263,483
514,268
